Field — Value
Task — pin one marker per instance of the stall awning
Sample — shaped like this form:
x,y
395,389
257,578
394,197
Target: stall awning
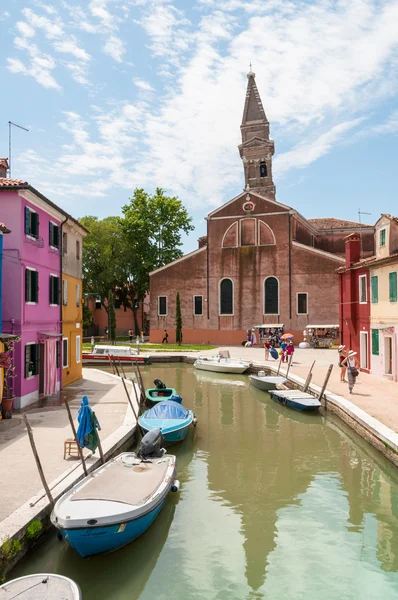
x,y
322,327
8,336
50,333
268,326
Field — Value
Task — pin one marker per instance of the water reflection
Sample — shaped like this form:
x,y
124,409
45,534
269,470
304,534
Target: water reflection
x,y
273,504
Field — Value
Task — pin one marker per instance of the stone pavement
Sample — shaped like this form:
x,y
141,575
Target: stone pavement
x,y
19,476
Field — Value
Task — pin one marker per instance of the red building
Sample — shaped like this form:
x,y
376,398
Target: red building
x,y
355,301
261,263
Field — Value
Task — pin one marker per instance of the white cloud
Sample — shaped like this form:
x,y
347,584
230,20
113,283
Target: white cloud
x,y
98,9
389,126
167,28
69,46
25,29
115,48
39,67
143,85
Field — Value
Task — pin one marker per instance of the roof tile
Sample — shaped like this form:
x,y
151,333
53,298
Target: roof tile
x,y
5,182
333,223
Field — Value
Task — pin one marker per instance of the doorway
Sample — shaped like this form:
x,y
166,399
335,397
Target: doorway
x,y
388,355
363,342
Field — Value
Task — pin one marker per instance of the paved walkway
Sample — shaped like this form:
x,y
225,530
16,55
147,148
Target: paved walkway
x,y
19,476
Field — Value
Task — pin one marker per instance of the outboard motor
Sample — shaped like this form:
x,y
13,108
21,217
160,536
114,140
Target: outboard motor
x,y
151,445
159,384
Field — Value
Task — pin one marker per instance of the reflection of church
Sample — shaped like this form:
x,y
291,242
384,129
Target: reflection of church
x,y
261,262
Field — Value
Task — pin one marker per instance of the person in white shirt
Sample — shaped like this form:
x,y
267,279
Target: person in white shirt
x,y
352,364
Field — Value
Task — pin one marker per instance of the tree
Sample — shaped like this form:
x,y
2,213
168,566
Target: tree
x,y
153,226
105,264
178,320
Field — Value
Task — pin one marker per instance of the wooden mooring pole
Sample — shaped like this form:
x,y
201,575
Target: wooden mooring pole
x,y
79,449
37,459
279,366
309,377
288,366
325,384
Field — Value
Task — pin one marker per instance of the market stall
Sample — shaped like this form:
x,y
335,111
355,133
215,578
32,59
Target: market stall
x,y
321,336
268,330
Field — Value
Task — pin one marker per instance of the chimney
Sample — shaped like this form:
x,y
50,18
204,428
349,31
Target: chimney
x,y
3,167
202,241
352,249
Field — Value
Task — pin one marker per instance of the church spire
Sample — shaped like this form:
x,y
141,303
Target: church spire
x,y
256,149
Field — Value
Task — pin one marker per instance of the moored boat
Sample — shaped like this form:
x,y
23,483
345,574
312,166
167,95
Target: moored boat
x,y
266,382
220,364
125,354
41,586
119,501
160,393
296,399
173,419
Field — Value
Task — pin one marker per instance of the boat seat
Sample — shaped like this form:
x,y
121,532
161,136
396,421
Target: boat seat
x,y
119,483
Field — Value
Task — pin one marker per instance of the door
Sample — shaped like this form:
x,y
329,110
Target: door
x,y
41,369
364,350
388,355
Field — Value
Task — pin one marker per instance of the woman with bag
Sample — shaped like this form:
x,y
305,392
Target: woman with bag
x,y
342,356
352,368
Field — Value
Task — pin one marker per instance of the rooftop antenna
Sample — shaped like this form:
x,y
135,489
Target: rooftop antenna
x,y
360,213
11,124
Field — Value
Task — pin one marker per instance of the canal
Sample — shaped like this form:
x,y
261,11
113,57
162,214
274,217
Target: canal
x,y
273,504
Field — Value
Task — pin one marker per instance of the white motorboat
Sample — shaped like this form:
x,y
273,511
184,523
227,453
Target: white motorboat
x,y
266,382
119,501
101,354
41,586
222,363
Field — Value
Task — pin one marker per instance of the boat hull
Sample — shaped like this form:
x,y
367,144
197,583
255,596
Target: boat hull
x,y
152,401
97,540
295,403
92,359
221,368
45,585
266,383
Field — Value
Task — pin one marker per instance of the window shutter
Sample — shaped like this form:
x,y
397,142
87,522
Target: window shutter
x,y
36,286
51,289
27,285
65,292
78,296
58,354
37,358
51,236
393,286
27,361
57,290
375,342
34,229
27,220
375,289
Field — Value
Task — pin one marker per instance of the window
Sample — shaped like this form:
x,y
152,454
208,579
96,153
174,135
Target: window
x,y
77,250
65,243
392,277
54,289
78,294
312,240
31,222
65,292
382,237
271,296
54,237
78,351
162,306
302,303
117,303
363,295
98,302
374,285
375,342
248,232
32,354
65,347
31,285
263,169
198,306
226,297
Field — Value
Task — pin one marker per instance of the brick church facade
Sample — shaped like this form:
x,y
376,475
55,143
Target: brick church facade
x,y
261,261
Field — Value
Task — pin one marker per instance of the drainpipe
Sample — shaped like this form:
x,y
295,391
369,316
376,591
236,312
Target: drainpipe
x,y
61,299
290,267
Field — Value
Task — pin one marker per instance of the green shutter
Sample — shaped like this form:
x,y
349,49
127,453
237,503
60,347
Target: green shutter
x,y
27,220
56,290
34,226
375,289
58,354
36,286
375,342
51,289
393,286
51,234
27,285
37,359
383,237
27,361
56,236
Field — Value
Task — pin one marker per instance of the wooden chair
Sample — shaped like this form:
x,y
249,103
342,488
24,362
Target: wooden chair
x,y
70,448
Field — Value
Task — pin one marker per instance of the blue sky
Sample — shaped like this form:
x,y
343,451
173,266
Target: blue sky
x,y
119,94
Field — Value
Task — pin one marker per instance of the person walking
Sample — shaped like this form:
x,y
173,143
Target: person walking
x,y
267,348
343,369
283,349
352,364
165,339
131,334
289,351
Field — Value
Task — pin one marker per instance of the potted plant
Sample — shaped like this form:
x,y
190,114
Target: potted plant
x,y
7,363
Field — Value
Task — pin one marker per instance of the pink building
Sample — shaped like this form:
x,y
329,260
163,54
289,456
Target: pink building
x,y
31,287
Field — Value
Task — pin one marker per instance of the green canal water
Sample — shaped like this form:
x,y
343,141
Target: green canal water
x,y
273,504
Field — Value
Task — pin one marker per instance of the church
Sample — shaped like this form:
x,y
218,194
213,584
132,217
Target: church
x,y
261,264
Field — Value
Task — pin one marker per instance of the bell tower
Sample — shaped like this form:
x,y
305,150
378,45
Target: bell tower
x,y
256,149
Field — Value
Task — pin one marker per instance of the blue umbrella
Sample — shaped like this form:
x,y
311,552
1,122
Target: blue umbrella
x,y
87,435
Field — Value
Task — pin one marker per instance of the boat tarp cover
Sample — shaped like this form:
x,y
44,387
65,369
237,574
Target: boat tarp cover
x,y
167,410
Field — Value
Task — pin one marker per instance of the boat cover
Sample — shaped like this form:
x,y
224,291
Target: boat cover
x,y
167,410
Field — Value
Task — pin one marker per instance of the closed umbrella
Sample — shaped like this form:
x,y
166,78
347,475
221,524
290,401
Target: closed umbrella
x,y
87,435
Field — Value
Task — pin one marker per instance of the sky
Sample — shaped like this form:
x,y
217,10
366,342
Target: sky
x,y
119,94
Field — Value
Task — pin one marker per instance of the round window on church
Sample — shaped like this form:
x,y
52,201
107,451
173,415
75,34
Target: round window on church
x,y
248,206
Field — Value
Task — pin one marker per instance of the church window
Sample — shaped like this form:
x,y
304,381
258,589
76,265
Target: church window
x,y
226,297
265,234
248,232
302,303
271,296
162,306
263,169
198,306
230,239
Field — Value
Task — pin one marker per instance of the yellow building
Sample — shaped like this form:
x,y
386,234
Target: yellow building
x,y
73,235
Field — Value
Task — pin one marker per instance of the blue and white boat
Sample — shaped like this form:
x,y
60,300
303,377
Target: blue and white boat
x,y
296,399
119,501
171,418
41,586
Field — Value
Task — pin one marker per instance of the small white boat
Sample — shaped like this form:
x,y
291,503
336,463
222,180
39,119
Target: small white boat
x,y
222,363
266,382
41,586
101,355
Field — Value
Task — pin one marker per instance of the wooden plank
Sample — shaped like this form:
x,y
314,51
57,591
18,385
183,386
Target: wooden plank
x,y
37,459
